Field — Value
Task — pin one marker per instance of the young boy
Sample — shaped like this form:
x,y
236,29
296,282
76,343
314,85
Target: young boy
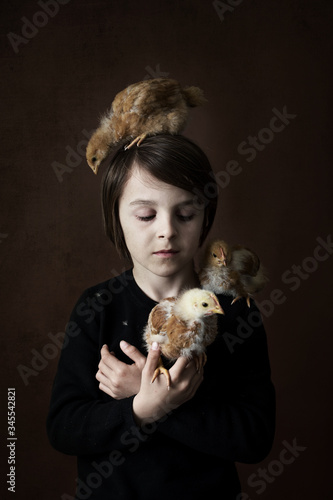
x,y
134,439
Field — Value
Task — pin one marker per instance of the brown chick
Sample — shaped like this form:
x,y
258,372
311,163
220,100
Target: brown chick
x,y
234,271
145,108
183,326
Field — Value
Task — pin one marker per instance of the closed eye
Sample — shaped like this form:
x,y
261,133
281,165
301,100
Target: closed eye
x,y
147,218
182,218
185,218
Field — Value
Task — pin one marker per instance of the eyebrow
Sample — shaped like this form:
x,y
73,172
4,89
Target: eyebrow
x,y
153,203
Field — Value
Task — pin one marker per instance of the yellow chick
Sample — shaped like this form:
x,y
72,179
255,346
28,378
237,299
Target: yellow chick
x,y
232,270
150,107
183,326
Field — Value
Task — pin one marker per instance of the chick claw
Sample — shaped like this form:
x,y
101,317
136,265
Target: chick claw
x,y
159,370
240,297
136,141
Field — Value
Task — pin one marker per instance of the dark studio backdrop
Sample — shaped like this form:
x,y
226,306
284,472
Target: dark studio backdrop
x,y
265,68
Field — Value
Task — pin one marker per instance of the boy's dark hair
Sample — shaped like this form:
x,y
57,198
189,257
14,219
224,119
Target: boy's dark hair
x,y
172,159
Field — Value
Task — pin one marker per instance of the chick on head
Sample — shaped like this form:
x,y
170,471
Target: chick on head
x,y
97,150
196,304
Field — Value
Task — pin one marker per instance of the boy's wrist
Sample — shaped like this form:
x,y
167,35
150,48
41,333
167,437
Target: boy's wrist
x,y
136,411
142,414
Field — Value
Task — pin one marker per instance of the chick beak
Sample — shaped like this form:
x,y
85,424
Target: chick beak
x,y
223,257
94,166
217,309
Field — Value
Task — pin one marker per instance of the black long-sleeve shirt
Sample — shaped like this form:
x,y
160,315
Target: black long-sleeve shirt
x,y
189,453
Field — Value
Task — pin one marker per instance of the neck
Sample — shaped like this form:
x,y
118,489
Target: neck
x,y
160,287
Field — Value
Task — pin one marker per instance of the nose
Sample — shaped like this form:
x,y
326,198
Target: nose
x,y
166,228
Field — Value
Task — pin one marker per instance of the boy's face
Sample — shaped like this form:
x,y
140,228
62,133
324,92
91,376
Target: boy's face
x,y
162,225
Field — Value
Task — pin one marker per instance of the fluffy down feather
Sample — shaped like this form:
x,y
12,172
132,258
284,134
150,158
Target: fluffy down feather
x,y
150,107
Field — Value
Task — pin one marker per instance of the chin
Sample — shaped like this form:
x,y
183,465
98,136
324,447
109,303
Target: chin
x,y
168,269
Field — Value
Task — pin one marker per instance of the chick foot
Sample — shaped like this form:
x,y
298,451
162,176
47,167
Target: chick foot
x,y
136,141
240,297
159,370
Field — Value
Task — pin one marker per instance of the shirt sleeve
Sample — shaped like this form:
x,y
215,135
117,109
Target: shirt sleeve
x,y
232,414
82,420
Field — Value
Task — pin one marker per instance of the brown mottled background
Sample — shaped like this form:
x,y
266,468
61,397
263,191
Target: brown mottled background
x,y
56,81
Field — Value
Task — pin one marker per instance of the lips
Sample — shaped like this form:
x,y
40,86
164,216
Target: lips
x,y
166,253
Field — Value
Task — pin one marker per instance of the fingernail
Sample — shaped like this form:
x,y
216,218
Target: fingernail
x,y
124,344
155,346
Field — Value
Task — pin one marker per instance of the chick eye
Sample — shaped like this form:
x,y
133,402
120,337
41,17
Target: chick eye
x,y
214,255
204,304
93,159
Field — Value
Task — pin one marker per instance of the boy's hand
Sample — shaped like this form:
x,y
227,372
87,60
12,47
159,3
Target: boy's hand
x,y
117,379
154,400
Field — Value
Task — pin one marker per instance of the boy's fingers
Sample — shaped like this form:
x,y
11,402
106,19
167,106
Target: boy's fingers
x,y
132,352
184,368
108,359
101,377
152,359
104,350
180,366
